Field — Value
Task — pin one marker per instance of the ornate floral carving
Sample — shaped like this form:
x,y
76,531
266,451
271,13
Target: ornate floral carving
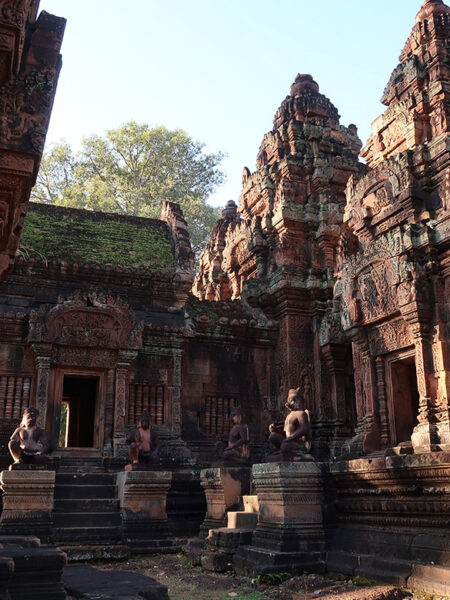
x,y
93,319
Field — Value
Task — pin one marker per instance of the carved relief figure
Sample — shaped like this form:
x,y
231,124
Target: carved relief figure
x,y
29,443
143,445
294,441
238,439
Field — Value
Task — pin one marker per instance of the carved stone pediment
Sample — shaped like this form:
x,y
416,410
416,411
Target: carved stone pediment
x,y
92,320
377,192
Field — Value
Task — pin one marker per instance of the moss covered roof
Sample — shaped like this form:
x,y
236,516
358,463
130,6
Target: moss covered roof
x,y
106,239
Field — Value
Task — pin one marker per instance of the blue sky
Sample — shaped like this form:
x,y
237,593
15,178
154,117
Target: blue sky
x,y
219,69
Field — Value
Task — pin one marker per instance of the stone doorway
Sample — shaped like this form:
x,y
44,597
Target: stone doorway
x,y
77,412
404,398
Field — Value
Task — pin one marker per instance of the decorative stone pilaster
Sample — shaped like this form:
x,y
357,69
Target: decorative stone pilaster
x,y
382,401
290,531
27,503
143,496
425,435
42,352
109,413
121,392
224,487
176,392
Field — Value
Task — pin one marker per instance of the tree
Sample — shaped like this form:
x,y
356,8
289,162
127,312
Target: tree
x,y
132,170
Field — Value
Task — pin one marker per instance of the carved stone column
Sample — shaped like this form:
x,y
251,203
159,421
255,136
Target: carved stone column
x,y
367,432
42,352
335,356
121,396
382,401
109,413
176,392
424,437
418,314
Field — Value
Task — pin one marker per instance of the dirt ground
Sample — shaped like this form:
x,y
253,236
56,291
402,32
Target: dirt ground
x,y
186,582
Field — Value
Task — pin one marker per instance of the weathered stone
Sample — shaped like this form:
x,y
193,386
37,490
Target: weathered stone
x,y
87,582
251,503
223,487
392,519
143,497
27,503
290,532
228,540
218,562
37,573
29,73
242,520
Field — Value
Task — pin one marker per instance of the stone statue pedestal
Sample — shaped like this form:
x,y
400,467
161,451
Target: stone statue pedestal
x,y
223,487
143,496
290,534
27,503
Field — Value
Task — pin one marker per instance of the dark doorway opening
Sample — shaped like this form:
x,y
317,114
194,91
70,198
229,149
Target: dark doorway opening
x,y
76,424
405,398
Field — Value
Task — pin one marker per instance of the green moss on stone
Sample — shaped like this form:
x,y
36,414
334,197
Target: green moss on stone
x,y
81,236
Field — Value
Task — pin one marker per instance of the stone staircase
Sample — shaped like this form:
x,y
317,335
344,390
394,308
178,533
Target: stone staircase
x,y
86,509
216,552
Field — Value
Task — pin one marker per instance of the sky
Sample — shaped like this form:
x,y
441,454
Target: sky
x,y
219,69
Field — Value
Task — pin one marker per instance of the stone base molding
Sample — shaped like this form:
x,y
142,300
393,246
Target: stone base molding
x,y
143,496
290,532
27,503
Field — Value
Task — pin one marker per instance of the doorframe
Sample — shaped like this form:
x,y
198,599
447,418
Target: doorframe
x,y
393,358
57,375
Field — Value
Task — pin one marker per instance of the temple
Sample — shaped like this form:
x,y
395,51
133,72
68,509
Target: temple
x,y
330,276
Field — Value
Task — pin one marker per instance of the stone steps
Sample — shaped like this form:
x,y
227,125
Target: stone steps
x,y
88,535
82,492
242,520
86,507
67,505
87,519
85,478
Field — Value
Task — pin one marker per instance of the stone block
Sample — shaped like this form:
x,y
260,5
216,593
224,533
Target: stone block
x,y
385,569
37,572
342,562
142,496
218,562
251,503
84,581
224,487
6,571
242,520
430,578
27,503
194,550
290,533
227,540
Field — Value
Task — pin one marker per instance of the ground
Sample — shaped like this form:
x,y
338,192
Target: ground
x,y
186,582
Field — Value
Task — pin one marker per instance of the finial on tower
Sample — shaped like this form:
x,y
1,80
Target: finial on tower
x,y
428,7
303,83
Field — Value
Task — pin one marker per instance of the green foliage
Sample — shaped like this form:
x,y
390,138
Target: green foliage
x,y
363,581
100,239
272,578
132,170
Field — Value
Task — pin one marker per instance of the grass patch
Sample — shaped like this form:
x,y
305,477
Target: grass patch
x,y
364,582
56,233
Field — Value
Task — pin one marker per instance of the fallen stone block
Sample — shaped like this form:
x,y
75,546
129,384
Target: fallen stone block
x,y
84,581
